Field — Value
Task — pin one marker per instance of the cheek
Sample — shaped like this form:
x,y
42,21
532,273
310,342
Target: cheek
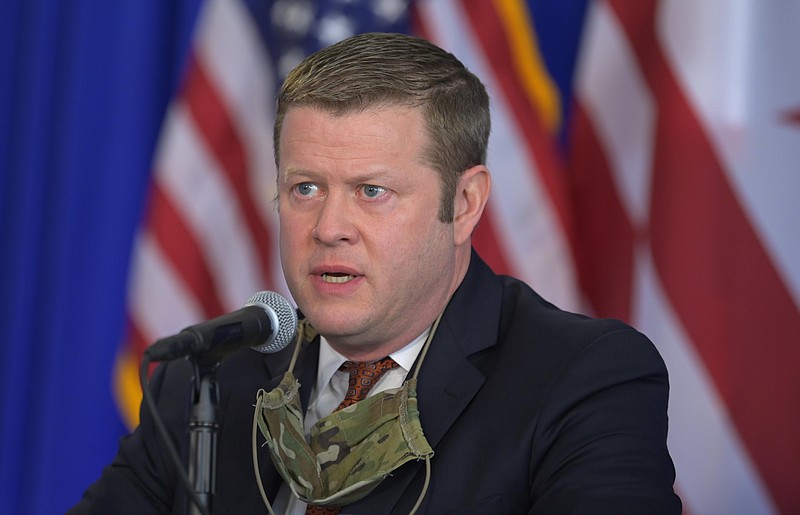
x,y
285,236
291,241
408,244
292,225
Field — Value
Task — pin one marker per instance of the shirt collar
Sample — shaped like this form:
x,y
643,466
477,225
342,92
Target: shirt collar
x,y
330,360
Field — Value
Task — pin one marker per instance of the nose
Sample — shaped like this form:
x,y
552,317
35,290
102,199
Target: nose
x,y
335,221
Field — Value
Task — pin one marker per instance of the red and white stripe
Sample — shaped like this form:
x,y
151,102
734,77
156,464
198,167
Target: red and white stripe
x,y
209,239
522,215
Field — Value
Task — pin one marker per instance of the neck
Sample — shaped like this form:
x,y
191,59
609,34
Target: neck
x,y
368,351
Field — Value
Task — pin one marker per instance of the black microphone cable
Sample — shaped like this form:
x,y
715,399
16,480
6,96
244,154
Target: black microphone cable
x,y
150,403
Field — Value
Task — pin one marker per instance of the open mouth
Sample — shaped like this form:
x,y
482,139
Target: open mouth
x,y
337,278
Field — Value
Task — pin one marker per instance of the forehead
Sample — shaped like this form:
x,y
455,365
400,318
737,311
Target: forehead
x,y
391,115
385,132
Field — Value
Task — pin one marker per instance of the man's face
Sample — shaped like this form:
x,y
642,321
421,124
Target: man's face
x,y
362,248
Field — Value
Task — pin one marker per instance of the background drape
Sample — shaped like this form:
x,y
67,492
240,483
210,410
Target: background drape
x,y
83,90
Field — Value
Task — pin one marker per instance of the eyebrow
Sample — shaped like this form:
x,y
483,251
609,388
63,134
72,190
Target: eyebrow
x,y
293,171
362,178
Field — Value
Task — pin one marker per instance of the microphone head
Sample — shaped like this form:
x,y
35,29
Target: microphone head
x,y
283,317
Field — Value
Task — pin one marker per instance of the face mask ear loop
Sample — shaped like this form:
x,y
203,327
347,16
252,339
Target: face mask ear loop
x,y
302,334
427,344
301,331
255,457
424,487
422,354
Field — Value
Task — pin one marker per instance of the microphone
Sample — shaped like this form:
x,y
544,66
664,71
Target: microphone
x,y
267,322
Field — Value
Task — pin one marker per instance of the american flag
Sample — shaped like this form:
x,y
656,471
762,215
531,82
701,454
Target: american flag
x,y
645,164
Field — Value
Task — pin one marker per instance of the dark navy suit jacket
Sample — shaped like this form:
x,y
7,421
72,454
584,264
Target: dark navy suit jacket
x,y
529,409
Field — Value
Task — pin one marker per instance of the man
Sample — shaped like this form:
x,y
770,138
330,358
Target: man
x,y
380,143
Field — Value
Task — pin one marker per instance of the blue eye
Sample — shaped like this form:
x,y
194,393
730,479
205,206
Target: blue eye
x,y
371,191
306,189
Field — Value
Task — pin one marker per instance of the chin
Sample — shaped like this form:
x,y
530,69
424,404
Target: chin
x,y
330,321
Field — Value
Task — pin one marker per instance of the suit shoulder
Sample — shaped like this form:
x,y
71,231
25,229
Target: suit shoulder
x,y
531,321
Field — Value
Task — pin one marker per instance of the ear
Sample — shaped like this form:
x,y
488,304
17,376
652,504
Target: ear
x,y
472,194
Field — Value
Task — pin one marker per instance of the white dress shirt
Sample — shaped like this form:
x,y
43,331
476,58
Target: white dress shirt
x,y
330,390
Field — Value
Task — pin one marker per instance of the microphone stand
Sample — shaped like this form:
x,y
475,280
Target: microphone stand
x,y
203,432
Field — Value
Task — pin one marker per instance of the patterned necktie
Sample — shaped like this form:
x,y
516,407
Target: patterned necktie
x,y
363,376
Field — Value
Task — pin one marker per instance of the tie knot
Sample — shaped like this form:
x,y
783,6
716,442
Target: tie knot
x,y
372,368
363,376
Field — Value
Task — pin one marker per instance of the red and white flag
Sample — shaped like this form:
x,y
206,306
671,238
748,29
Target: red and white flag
x,y
687,117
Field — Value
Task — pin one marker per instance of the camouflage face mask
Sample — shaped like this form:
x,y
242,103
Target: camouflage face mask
x,y
350,451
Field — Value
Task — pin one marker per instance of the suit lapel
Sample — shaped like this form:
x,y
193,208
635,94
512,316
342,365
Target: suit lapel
x,y
447,381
